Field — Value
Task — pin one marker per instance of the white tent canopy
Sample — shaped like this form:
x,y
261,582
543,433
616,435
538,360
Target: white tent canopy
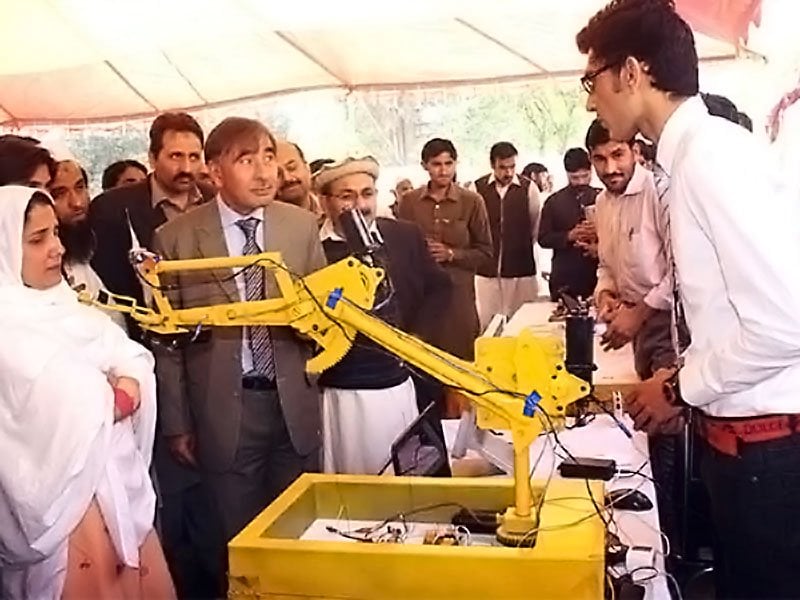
x,y
80,61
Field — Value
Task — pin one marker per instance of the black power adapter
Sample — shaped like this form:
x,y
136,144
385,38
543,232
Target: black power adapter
x,y
579,467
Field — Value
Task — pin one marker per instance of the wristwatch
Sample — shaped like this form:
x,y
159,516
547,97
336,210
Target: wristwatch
x,y
672,387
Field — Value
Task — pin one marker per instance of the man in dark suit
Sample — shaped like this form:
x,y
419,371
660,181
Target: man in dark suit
x,y
369,396
239,405
187,523
176,157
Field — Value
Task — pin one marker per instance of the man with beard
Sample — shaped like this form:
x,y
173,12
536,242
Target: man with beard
x,y
70,191
296,182
508,281
127,216
369,397
633,293
634,289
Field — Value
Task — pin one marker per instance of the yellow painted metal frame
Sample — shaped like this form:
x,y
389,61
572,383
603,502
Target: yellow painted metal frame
x,y
268,560
515,382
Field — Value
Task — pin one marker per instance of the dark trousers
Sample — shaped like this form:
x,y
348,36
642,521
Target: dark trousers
x,y
264,465
189,528
755,507
192,543
653,350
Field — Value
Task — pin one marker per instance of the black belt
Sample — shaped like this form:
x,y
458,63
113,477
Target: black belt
x,y
258,383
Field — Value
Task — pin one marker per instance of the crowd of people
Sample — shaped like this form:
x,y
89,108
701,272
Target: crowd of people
x,y
671,250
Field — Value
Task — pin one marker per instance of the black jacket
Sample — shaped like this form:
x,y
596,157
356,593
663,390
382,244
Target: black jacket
x,y
108,214
421,293
571,269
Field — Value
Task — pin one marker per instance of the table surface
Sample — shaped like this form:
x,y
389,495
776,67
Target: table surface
x,y
602,438
614,367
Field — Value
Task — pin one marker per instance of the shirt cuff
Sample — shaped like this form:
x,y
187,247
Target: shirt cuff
x,y
656,301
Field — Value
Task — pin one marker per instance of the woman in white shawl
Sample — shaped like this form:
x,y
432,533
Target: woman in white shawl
x,y
77,419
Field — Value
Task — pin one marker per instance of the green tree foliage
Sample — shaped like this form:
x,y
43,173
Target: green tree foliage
x,y
547,117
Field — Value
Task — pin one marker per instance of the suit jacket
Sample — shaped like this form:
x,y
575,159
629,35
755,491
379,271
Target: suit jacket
x,y
200,385
108,214
422,287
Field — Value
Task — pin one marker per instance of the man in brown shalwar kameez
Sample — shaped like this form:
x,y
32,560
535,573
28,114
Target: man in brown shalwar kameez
x,y
456,228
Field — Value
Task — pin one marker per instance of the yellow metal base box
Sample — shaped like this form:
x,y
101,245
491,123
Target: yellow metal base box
x,y
274,557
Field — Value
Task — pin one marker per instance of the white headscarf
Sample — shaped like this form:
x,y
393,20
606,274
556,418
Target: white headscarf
x,y
57,431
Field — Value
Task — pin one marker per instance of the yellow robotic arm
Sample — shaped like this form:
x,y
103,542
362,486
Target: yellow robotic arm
x,y
510,380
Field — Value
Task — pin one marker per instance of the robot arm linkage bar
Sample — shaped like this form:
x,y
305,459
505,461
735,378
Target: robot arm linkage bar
x,y
510,379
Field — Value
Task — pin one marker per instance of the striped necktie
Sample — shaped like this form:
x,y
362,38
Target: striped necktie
x,y
678,330
258,336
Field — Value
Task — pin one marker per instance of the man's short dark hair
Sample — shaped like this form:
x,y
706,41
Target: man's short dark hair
x,y
235,133
534,168
721,106
172,121
650,31
502,151
597,135
576,159
115,170
20,158
437,146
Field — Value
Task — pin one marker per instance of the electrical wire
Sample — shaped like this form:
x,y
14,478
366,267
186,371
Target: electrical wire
x,y
610,583
620,424
398,516
491,387
570,455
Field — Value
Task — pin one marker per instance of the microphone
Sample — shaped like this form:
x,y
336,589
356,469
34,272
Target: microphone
x,y
360,240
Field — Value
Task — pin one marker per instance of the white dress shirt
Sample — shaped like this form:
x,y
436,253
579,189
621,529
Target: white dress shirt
x,y
735,234
235,240
632,262
328,232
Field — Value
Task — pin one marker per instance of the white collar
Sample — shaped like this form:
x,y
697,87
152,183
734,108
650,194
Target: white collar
x,y
228,217
514,181
685,118
327,231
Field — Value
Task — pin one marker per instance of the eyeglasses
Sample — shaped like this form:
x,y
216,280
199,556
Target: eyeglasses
x,y
587,81
352,196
